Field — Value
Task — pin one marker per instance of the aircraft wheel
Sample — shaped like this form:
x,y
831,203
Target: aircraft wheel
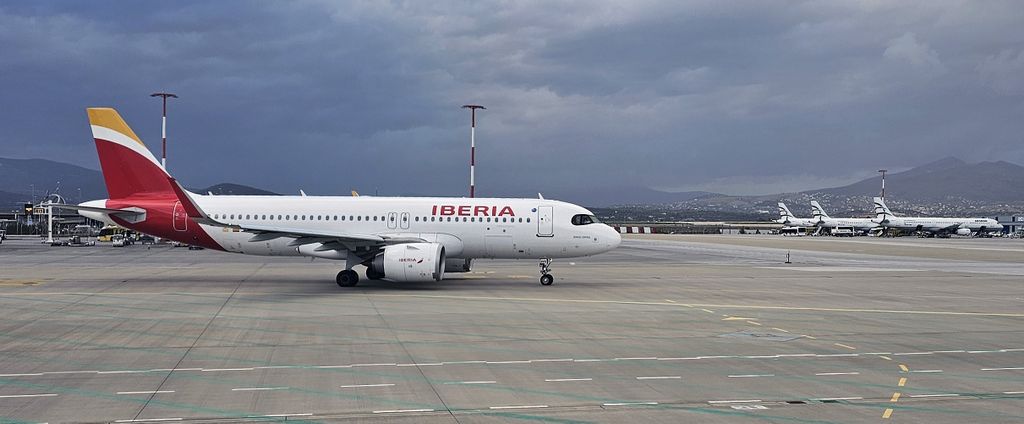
x,y
347,278
546,280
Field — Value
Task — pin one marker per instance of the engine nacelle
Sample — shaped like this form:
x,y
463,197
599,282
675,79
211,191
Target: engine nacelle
x,y
458,265
411,262
963,231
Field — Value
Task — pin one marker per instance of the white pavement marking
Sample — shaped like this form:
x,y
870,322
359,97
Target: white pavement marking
x,y
507,362
660,377
122,372
393,411
736,401
373,365
29,396
936,395
472,382
925,371
751,375
1014,393
629,403
257,389
304,414
148,420
226,369
645,358
355,386
912,353
837,373
552,360
839,398
146,392
1003,369
518,407
554,380
22,375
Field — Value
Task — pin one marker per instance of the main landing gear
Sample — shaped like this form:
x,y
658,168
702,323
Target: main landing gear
x,y
347,278
545,267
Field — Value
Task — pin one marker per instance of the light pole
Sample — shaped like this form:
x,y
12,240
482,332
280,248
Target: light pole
x,y
472,147
883,171
163,130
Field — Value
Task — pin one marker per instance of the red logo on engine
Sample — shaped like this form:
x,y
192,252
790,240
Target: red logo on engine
x,y
467,210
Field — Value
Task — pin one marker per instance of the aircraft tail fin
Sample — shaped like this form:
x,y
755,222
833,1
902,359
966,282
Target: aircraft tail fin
x,y
819,212
129,168
882,211
784,211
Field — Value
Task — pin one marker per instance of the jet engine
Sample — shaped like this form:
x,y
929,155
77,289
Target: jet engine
x,y
963,231
411,262
458,265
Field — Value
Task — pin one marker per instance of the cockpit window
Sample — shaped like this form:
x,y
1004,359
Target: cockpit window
x,y
584,219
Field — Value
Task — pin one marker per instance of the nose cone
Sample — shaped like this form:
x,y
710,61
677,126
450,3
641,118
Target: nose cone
x,y
614,238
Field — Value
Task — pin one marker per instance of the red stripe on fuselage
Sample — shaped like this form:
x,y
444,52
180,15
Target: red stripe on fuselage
x,y
136,182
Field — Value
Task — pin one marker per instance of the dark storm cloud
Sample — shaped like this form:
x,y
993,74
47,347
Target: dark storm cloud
x,y
326,96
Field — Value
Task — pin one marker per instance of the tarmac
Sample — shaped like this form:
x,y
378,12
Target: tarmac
x,y
688,328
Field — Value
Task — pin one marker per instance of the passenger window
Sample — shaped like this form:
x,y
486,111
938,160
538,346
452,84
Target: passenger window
x,y
464,219
359,218
279,217
247,217
287,217
335,217
527,219
432,219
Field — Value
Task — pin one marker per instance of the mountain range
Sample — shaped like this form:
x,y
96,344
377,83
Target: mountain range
x,y
948,182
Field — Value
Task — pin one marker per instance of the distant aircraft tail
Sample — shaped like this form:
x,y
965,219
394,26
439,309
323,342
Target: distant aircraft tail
x,y
819,212
129,168
882,212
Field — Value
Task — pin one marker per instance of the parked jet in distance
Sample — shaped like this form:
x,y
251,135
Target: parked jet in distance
x,y
395,238
933,225
786,218
862,225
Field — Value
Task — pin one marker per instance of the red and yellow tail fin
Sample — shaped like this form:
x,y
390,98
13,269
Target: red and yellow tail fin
x,y
129,168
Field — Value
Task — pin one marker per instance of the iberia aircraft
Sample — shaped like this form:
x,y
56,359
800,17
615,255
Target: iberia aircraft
x,y
395,238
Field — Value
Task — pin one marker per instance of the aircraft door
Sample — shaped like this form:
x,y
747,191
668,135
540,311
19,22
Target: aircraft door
x,y
405,220
179,218
545,223
392,220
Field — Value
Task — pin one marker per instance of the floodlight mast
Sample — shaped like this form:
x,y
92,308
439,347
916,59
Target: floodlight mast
x,y
472,147
163,127
883,171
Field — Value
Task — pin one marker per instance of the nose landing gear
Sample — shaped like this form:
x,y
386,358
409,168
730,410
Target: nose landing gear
x,y
545,267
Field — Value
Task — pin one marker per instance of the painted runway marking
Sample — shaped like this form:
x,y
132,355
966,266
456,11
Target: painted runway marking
x,y
735,401
1003,369
707,310
148,420
1014,393
628,403
645,358
846,346
29,396
507,362
257,389
226,369
22,375
887,413
779,329
556,380
903,382
356,386
552,360
146,392
936,395
837,373
472,382
398,411
912,353
374,365
304,414
895,397
925,371
518,407
751,375
904,368
661,377
839,398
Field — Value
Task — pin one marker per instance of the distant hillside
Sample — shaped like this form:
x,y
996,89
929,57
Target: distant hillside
x,y
229,189
20,177
943,180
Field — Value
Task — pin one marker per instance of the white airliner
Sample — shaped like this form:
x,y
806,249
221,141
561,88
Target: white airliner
x,y
862,225
934,225
786,218
396,238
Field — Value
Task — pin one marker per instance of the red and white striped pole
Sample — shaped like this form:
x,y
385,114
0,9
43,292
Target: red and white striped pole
x,y
472,147
163,127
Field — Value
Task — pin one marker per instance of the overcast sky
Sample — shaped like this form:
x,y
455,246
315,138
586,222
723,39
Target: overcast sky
x,y
738,97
